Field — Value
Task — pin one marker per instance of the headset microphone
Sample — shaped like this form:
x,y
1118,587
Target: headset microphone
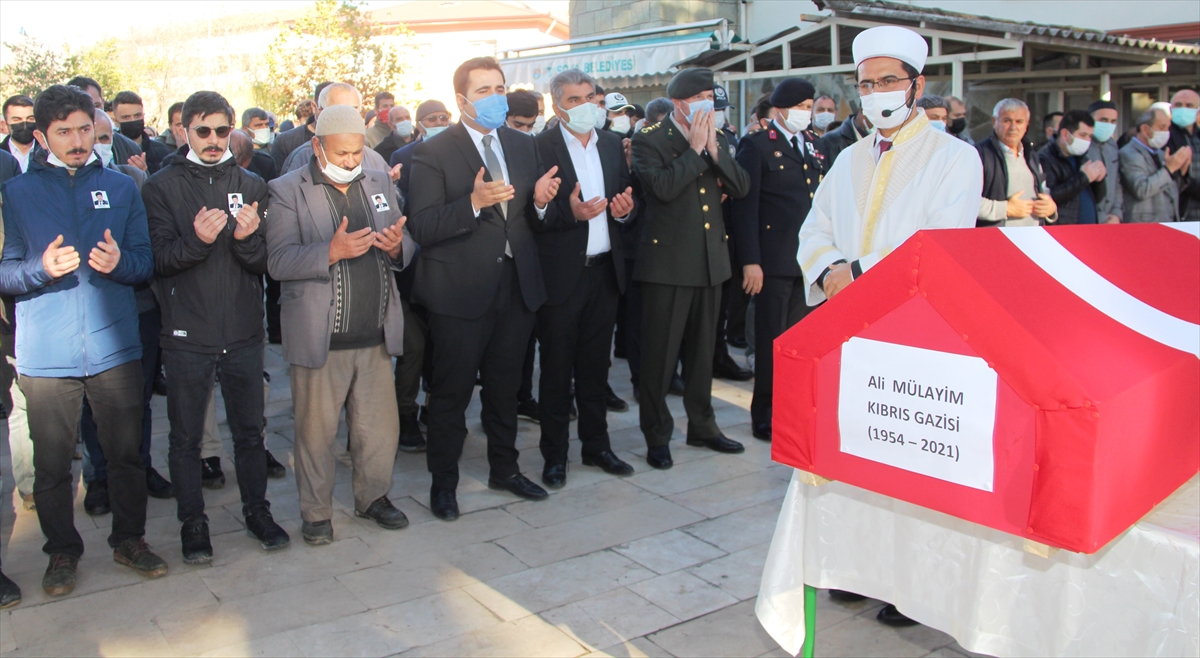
x,y
888,113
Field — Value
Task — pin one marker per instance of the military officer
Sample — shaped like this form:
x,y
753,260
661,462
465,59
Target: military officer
x,y
785,164
684,164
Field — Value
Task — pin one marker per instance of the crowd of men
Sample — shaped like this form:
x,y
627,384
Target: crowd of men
x,y
397,251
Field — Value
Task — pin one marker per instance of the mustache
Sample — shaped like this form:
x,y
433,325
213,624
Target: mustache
x,y
213,149
76,152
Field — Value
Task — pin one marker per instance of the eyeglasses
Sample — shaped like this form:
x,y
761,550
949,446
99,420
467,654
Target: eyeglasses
x,y
204,131
886,83
436,117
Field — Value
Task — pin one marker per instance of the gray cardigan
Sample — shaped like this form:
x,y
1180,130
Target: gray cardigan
x,y
1150,193
299,230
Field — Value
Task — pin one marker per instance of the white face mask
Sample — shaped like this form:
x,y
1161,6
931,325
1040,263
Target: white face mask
x,y
1160,139
262,136
719,119
192,157
797,120
619,124
601,115
404,128
1079,146
822,120
583,117
539,124
895,103
338,175
105,153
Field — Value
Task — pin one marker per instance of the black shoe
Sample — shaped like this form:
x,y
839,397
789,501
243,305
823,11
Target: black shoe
x,y
411,439
160,384
842,596
659,457
615,403
95,501
737,341
261,525
211,476
317,533
528,409
762,431
197,549
136,554
519,485
720,443
59,579
275,470
608,462
443,503
890,616
554,475
384,514
724,367
157,485
637,394
10,593
676,385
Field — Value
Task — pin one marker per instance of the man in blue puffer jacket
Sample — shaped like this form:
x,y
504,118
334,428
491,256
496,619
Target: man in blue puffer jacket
x,y
78,326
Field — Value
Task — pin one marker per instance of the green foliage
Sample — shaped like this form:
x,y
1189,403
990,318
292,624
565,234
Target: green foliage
x,y
102,62
33,67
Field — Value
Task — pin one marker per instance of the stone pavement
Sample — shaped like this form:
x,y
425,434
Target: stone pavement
x,y
656,564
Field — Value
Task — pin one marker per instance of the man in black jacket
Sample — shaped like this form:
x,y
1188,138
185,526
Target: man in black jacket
x,y
855,127
209,254
1076,184
585,274
1014,187
476,190
131,119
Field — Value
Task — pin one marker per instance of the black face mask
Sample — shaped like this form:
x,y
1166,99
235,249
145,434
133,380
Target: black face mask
x,y
133,129
22,133
958,125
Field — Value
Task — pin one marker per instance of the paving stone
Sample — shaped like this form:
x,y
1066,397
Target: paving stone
x,y
608,619
733,631
683,594
669,551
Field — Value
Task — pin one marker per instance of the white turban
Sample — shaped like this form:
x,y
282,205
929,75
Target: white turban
x,y
891,41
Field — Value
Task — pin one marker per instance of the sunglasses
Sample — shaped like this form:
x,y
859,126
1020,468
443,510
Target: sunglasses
x,y
204,131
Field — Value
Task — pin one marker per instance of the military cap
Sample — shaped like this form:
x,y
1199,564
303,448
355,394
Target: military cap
x,y
1102,105
792,92
689,82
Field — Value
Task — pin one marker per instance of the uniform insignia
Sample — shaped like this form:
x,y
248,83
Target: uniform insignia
x,y
778,154
771,135
650,129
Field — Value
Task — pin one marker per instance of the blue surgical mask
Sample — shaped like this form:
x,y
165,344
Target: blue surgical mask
x,y
1104,131
582,117
938,125
490,111
431,132
696,107
1183,116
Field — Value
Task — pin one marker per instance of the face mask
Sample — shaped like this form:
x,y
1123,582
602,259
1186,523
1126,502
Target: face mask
x,y
404,128
338,175
619,124
192,157
938,125
894,103
262,136
539,124
105,153
1183,116
431,132
490,111
797,120
822,120
719,119
133,129
582,117
22,133
601,117
1160,139
53,160
1104,131
1079,146
958,125
696,107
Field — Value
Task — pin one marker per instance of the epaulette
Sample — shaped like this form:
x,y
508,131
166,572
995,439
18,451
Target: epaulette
x,y
652,128
772,135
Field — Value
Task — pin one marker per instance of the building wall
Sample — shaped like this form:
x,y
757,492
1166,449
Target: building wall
x,y
593,17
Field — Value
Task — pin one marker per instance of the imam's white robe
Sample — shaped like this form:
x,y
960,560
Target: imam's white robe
x,y
863,210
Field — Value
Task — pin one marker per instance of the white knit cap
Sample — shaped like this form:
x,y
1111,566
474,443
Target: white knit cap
x,y
340,120
891,41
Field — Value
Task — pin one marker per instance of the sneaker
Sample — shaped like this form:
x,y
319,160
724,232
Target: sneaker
x,y
261,525
411,439
60,575
10,593
136,554
95,501
275,470
528,409
384,514
318,533
211,476
157,485
197,549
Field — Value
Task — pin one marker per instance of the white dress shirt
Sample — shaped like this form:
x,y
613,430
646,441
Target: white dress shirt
x,y
22,157
477,137
589,170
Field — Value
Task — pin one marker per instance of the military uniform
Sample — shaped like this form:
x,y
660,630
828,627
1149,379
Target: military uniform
x,y
682,261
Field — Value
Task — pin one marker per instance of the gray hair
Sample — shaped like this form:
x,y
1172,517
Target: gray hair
x,y
1008,105
323,100
657,109
254,113
568,77
1147,118
933,101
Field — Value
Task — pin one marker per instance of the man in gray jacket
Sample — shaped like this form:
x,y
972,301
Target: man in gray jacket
x,y
1104,149
1150,193
334,237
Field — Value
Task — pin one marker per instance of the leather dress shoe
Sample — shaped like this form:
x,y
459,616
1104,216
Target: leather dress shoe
x,y
677,387
762,431
720,443
890,616
608,462
724,367
384,514
519,485
443,503
738,342
614,403
842,596
554,475
659,457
